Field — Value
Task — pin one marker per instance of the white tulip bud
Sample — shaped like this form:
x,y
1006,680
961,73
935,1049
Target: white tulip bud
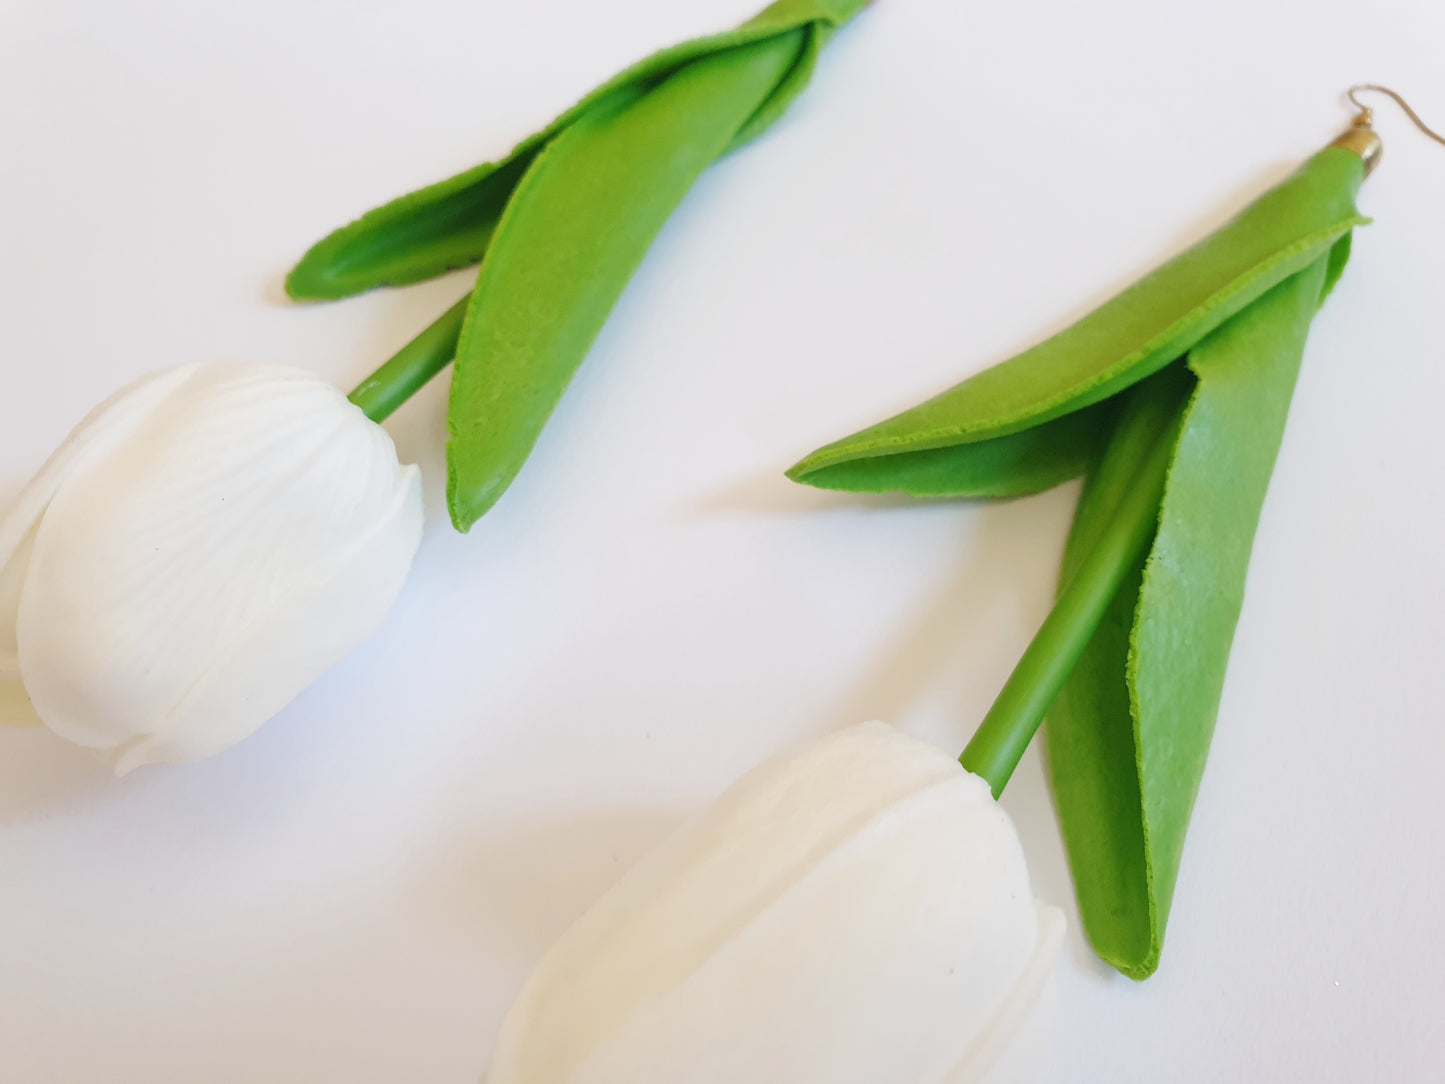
x,y
198,551
855,913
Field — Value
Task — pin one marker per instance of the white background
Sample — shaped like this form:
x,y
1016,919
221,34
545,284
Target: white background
x,y
355,894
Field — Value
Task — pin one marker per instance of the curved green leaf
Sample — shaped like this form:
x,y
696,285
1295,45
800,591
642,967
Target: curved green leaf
x,y
1130,732
1131,336
450,224
573,233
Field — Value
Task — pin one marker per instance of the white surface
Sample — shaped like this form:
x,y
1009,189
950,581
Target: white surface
x,y
356,893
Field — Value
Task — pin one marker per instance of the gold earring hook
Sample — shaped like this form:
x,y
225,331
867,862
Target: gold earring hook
x,y
1367,114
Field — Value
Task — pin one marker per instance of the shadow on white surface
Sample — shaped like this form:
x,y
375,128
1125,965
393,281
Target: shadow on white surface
x,y
774,494
508,896
273,290
963,636
504,899
15,707
42,776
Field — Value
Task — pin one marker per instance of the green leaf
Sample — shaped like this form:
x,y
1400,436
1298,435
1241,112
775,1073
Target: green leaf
x,y
577,227
1135,334
450,224
1130,732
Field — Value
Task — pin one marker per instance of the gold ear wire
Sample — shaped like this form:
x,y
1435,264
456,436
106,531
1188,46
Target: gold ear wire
x,y
1367,114
1361,137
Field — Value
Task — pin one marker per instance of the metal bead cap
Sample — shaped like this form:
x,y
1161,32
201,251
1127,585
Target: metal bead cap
x,y
1363,140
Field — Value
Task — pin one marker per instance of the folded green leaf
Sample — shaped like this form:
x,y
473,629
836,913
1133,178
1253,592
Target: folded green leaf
x,y
562,222
450,224
1029,461
574,231
1129,734
1137,333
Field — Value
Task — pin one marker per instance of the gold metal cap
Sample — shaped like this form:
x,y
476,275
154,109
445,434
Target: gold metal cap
x,y
1363,140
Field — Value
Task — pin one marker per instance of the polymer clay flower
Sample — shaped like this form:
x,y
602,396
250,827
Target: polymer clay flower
x,y
855,913
199,549
1171,400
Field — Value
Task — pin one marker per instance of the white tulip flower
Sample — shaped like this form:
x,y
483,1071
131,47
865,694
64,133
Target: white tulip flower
x,y
855,913
202,547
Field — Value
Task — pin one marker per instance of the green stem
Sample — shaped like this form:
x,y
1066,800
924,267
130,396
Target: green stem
x,y
404,374
1010,724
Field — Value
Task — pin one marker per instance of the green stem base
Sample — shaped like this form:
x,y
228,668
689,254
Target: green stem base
x,y
404,374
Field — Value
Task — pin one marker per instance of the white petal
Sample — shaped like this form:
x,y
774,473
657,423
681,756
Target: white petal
x,y
1008,1049
855,913
285,652
12,580
184,586
101,430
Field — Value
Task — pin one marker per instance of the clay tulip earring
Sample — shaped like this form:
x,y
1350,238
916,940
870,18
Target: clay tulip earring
x,y
1171,400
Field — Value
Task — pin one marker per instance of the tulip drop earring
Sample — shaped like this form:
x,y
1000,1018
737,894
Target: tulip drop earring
x,y
802,925
147,659
1171,400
